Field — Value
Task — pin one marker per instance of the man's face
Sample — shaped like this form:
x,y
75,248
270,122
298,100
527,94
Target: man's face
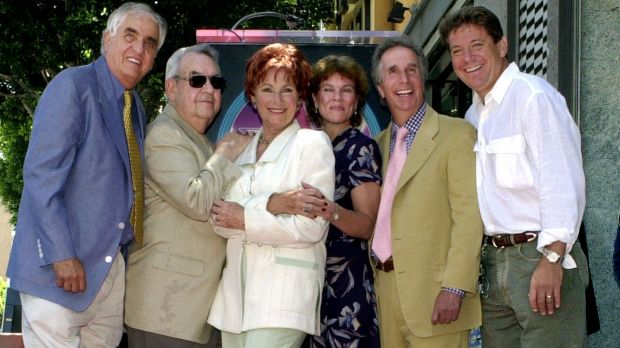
x,y
130,53
476,59
401,83
196,105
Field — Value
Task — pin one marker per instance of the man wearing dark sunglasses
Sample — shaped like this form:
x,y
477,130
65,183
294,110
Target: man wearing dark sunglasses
x,y
172,279
197,81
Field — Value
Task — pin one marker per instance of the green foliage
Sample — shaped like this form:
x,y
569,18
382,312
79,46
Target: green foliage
x,y
3,286
39,38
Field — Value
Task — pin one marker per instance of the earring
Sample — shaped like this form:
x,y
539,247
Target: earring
x,y
254,105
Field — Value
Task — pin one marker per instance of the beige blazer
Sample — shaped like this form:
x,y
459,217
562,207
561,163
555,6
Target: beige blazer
x,y
275,268
436,225
172,279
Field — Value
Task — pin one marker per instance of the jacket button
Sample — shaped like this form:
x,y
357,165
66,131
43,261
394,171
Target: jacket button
x,y
121,225
108,259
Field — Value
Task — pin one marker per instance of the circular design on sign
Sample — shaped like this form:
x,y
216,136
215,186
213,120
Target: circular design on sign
x,y
242,116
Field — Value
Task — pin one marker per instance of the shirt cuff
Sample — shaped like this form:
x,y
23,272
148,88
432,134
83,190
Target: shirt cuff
x,y
459,292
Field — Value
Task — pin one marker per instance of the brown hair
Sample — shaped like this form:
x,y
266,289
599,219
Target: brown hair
x,y
347,67
282,57
476,15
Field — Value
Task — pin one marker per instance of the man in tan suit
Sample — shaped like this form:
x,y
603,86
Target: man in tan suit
x,y
426,273
172,279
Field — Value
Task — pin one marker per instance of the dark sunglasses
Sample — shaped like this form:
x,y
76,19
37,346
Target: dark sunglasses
x,y
197,81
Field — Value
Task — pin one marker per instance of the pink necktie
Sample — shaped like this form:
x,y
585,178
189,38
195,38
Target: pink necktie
x,y
382,240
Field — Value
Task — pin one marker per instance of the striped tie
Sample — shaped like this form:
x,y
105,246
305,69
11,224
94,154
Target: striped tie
x,y
137,209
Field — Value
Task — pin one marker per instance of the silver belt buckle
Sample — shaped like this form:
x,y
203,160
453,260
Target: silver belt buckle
x,y
495,245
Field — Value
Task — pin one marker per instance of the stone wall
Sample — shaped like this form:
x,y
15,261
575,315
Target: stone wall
x,y
600,129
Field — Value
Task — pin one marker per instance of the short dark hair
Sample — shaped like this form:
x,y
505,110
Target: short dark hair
x,y
476,15
284,58
347,67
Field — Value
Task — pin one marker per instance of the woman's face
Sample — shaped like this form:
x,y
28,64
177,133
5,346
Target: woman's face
x,y
336,99
276,99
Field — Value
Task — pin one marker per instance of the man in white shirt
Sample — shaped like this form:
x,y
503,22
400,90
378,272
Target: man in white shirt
x,y
531,192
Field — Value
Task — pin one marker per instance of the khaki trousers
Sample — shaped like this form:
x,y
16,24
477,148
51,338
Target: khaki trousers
x,y
47,324
393,329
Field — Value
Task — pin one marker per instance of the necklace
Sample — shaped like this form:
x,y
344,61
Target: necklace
x,y
262,140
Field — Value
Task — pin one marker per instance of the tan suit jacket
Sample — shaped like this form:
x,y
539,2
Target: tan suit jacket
x,y
172,279
436,225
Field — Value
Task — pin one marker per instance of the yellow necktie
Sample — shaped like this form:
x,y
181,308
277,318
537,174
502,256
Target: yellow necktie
x,y
136,172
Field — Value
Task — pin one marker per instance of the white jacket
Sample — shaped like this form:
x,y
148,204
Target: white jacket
x,y
275,269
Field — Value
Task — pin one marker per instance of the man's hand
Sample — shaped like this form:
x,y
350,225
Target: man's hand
x,y
447,308
232,144
70,275
545,286
228,214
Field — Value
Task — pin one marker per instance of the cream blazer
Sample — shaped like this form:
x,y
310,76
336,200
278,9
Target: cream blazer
x,y
172,279
436,224
275,269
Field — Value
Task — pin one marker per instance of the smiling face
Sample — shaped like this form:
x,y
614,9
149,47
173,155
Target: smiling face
x,y
336,100
401,83
130,53
476,59
197,106
277,101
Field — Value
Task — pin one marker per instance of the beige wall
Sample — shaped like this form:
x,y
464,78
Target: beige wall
x,y
5,240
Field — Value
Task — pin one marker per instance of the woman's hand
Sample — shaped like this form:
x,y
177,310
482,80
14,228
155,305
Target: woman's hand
x,y
307,201
326,209
228,215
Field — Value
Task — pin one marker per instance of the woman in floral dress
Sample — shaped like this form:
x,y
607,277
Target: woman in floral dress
x,y
338,90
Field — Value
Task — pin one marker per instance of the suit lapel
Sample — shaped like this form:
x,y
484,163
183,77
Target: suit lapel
x,y
421,149
110,112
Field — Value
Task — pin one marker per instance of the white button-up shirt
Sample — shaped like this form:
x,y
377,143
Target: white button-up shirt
x,y
529,173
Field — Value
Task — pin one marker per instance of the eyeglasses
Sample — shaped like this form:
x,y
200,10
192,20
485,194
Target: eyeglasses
x,y
197,81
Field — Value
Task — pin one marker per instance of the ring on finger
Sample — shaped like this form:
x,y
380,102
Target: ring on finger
x,y
549,296
215,218
306,209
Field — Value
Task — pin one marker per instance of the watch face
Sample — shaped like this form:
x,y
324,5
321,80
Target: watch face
x,y
551,255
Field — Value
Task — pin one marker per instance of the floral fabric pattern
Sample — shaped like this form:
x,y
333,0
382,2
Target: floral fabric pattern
x,y
348,308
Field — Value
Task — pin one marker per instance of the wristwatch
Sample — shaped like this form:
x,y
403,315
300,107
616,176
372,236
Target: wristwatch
x,y
552,256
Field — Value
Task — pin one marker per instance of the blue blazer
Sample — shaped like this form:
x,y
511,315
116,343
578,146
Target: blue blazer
x,y
77,192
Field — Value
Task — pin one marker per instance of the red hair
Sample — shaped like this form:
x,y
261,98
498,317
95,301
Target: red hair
x,y
284,58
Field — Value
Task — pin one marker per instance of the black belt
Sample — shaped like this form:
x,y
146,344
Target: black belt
x,y
508,240
386,266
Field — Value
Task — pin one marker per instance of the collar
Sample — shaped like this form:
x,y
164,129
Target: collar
x,y
172,113
414,122
500,88
248,156
113,84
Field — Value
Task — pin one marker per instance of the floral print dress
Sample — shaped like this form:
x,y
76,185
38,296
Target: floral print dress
x,y
348,307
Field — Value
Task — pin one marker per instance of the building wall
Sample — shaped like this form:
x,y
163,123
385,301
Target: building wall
x,y
600,129
5,240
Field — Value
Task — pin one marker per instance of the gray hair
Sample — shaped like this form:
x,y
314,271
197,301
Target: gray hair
x,y
401,41
118,17
172,66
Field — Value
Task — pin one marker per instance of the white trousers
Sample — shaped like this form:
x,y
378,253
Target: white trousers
x,y
47,324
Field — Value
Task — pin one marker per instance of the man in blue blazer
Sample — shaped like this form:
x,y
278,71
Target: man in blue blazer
x,y
78,192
